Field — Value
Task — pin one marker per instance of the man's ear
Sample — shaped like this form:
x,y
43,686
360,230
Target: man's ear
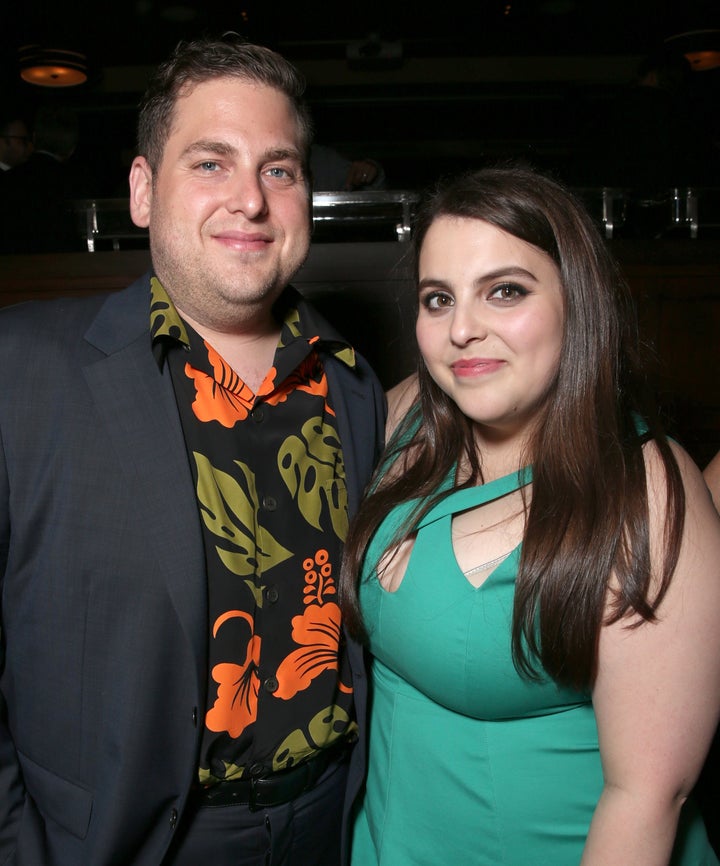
x,y
140,192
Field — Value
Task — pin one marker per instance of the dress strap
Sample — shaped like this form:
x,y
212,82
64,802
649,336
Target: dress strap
x,y
470,497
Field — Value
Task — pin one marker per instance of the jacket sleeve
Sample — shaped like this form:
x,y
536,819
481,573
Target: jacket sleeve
x,y
361,408
12,792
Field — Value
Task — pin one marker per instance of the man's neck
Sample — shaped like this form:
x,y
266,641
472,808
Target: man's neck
x,y
250,351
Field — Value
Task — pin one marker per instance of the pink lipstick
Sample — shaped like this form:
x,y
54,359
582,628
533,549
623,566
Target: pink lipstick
x,y
467,367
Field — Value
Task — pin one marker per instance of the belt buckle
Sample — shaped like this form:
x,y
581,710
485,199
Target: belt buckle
x,y
252,798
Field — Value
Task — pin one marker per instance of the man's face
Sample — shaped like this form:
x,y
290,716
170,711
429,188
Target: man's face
x,y
15,144
228,208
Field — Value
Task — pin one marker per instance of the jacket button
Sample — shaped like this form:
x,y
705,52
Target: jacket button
x,y
194,717
173,818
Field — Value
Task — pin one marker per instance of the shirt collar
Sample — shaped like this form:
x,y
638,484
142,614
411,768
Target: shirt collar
x,y
300,321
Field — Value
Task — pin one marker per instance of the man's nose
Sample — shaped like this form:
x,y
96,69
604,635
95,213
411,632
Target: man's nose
x,y
246,194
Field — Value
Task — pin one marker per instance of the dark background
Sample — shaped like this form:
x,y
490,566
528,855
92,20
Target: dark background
x,y
423,89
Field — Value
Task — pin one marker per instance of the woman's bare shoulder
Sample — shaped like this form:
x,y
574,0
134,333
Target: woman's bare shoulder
x,y
400,398
711,473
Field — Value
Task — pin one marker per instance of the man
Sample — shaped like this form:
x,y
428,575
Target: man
x,y
177,463
37,216
331,171
15,141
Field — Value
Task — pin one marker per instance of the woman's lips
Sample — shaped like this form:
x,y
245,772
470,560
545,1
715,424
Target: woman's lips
x,y
476,366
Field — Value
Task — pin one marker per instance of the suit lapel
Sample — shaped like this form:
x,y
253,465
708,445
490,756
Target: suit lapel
x,y
346,395
136,403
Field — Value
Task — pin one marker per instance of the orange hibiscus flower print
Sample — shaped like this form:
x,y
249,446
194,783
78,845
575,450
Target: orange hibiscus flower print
x,y
319,581
309,377
318,633
222,397
235,707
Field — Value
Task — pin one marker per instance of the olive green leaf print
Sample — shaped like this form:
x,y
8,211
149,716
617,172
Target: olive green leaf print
x,y
165,320
312,467
230,512
322,730
257,591
292,322
232,771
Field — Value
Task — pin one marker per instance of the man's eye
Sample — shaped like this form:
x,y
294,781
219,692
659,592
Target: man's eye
x,y
208,165
280,174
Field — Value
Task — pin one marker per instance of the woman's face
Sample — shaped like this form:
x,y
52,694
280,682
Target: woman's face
x,y
490,322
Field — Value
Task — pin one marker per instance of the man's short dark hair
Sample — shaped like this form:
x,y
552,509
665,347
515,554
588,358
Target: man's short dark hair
x,y
195,62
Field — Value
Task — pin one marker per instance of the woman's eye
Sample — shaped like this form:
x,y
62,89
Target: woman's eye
x,y
508,292
437,301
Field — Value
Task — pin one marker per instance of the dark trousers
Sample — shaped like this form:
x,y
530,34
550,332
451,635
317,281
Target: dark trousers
x,y
305,832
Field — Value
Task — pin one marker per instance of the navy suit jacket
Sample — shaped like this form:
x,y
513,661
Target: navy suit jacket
x,y
103,608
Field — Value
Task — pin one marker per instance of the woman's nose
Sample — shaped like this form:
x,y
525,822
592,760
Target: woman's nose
x,y
468,324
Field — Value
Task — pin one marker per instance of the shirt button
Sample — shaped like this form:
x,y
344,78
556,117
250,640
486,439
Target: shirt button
x,y
258,414
269,503
173,818
272,594
270,685
256,770
194,717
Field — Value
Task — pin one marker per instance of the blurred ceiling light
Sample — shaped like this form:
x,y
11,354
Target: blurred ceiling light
x,y
702,60
52,67
700,47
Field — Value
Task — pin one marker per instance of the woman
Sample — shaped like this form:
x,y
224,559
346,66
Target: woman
x,y
711,473
539,568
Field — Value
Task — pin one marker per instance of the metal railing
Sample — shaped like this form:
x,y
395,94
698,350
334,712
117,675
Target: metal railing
x,y
389,214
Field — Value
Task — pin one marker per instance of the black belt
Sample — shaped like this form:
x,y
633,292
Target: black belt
x,y
275,789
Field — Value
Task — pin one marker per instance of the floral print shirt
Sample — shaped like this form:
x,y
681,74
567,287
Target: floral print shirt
x,y
270,483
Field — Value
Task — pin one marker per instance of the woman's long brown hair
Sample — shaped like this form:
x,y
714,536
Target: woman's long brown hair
x,y
588,514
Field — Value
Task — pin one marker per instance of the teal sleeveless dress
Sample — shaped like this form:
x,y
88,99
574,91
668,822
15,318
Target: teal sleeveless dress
x,y
470,764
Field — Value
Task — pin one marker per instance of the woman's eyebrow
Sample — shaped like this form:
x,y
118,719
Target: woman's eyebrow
x,y
504,271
